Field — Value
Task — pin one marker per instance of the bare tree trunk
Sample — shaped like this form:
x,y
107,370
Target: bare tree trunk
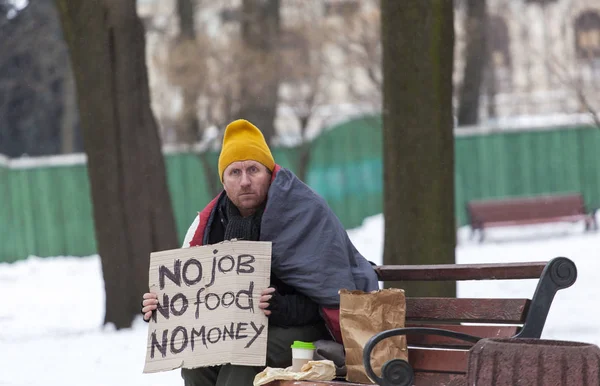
x,y
491,89
260,83
475,55
131,203
191,130
304,150
70,117
417,41
190,127
186,10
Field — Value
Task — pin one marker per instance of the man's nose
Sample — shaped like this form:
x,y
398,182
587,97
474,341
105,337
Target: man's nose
x,y
245,180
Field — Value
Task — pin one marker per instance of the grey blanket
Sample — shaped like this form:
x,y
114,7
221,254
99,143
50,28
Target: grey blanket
x,y
311,249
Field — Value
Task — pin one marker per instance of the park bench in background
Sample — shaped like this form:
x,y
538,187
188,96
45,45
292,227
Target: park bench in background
x,y
529,210
437,335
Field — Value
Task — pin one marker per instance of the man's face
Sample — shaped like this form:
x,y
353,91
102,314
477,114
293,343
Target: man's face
x,y
246,184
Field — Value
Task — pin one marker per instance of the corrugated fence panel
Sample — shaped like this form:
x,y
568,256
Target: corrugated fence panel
x,y
79,239
7,225
528,163
69,192
589,159
46,211
188,188
346,169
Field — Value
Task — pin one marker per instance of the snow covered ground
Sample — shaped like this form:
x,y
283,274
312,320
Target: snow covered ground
x,y
52,309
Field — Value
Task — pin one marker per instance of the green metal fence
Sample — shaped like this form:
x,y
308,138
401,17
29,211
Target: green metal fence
x,y
528,163
45,209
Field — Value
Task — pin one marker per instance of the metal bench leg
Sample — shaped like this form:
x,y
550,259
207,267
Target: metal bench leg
x,y
590,222
472,234
481,235
594,223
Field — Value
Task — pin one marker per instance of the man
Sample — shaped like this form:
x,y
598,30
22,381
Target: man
x,y
312,256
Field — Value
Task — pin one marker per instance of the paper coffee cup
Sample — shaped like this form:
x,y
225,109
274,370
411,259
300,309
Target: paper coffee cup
x,y
302,353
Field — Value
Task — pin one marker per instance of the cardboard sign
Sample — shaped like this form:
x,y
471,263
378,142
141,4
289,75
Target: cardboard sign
x,y
208,306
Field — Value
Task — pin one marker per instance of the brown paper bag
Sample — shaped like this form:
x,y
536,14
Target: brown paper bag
x,y
362,315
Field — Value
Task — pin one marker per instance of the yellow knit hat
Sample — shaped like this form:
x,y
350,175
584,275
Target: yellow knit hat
x,y
243,141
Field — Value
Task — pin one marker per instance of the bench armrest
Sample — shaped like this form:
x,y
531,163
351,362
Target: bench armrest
x,y
559,273
398,372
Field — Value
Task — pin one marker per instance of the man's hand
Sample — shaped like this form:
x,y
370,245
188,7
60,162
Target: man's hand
x,y
263,303
149,304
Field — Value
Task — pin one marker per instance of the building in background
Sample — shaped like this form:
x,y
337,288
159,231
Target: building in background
x,y
544,59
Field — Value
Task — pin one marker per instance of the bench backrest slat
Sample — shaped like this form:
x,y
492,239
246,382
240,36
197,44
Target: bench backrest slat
x,y
525,208
456,310
443,272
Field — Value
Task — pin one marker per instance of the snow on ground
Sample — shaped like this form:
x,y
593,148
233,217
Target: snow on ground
x,y
51,320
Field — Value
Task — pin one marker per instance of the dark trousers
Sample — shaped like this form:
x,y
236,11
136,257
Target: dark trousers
x,y
279,354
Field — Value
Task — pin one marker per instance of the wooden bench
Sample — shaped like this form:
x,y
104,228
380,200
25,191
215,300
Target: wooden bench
x,y
437,335
528,210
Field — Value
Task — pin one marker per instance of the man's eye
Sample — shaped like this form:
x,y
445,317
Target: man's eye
x,y
252,169
235,172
